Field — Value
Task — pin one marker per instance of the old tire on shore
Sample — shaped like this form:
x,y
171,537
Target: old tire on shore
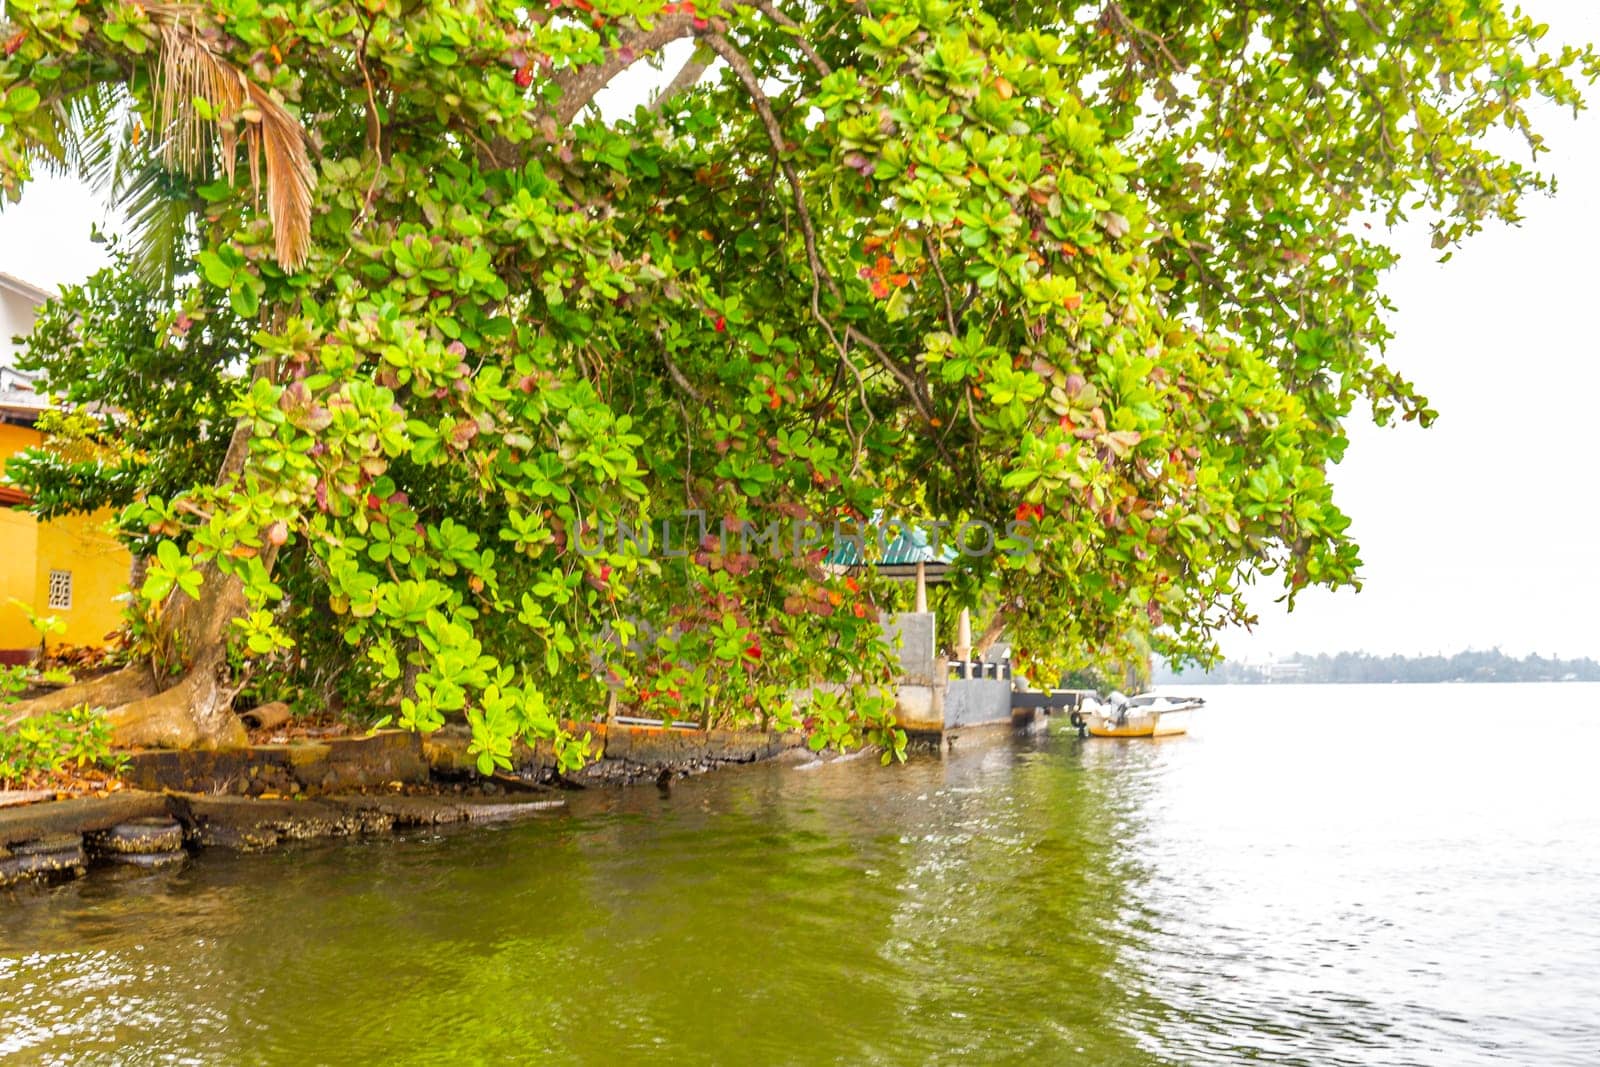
x,y
138,837
55,855
149,861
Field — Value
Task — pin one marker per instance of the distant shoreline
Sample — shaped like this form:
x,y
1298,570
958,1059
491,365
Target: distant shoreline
x,y
1492,667
1375,681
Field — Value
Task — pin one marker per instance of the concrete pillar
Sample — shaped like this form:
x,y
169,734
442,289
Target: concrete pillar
x,y
964,635
922,586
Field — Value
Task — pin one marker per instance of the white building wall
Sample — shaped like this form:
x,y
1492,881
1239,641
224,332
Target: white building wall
x,y
16,319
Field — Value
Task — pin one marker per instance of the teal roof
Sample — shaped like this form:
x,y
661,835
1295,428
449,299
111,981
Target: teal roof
x,y
910,546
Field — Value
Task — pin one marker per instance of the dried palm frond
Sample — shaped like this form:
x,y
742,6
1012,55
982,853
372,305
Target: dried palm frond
x,y
188,69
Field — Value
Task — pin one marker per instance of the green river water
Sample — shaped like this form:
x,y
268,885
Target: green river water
x,y
1317,875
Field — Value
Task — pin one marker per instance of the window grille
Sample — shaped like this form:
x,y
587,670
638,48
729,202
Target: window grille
x,y
61,590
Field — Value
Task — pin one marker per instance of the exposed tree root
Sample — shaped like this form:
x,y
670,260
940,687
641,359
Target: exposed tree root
x,y
112,690
196,712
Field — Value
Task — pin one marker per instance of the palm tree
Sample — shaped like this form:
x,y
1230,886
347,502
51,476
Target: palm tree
x,y
98,135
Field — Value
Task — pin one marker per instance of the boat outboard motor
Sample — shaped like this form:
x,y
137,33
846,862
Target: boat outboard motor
x,y
1086,706
1119,704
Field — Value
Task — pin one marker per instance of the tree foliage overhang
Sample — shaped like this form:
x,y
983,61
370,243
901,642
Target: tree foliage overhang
x,y
1100,267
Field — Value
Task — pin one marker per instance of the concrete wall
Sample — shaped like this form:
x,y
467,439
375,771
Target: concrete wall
x,y
926,699
977,702
919,687
919,708
918,652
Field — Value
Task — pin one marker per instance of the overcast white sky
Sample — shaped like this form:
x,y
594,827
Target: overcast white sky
x,y
1480,531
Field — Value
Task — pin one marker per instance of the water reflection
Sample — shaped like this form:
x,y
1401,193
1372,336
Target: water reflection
x,y
1268,887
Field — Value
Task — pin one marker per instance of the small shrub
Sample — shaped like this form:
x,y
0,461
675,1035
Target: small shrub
x,y
50,743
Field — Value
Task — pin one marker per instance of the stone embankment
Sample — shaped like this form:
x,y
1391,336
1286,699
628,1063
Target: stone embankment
x,y
254,798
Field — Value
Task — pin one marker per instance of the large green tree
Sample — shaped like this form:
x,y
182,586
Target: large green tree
x,y
1103,269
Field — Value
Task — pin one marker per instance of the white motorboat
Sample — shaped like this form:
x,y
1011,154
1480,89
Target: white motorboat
x,y
1145,715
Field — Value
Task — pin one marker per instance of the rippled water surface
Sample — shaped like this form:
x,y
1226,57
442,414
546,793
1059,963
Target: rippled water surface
x,y
1319,875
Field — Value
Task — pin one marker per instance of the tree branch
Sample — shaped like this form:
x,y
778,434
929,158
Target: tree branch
x,y
996,627
688,76
746,74
675,373
944,286
580,86
769,9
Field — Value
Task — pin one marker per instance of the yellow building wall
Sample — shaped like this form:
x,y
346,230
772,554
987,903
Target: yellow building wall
x,y
15,439
79,544
18,573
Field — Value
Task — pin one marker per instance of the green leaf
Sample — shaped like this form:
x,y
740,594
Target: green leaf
x,y
20,100
216,271
244,300
157,585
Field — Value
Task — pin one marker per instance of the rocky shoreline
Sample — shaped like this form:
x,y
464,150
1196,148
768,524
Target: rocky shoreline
x,y
251,799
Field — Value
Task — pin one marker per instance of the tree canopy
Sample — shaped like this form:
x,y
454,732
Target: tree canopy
x,y
1109,270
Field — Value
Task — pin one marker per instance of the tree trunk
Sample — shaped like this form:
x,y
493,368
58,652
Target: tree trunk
x,y
193,709
195,712
997,626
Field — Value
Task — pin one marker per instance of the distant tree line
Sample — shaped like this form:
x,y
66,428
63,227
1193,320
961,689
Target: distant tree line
x,y
1470,666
